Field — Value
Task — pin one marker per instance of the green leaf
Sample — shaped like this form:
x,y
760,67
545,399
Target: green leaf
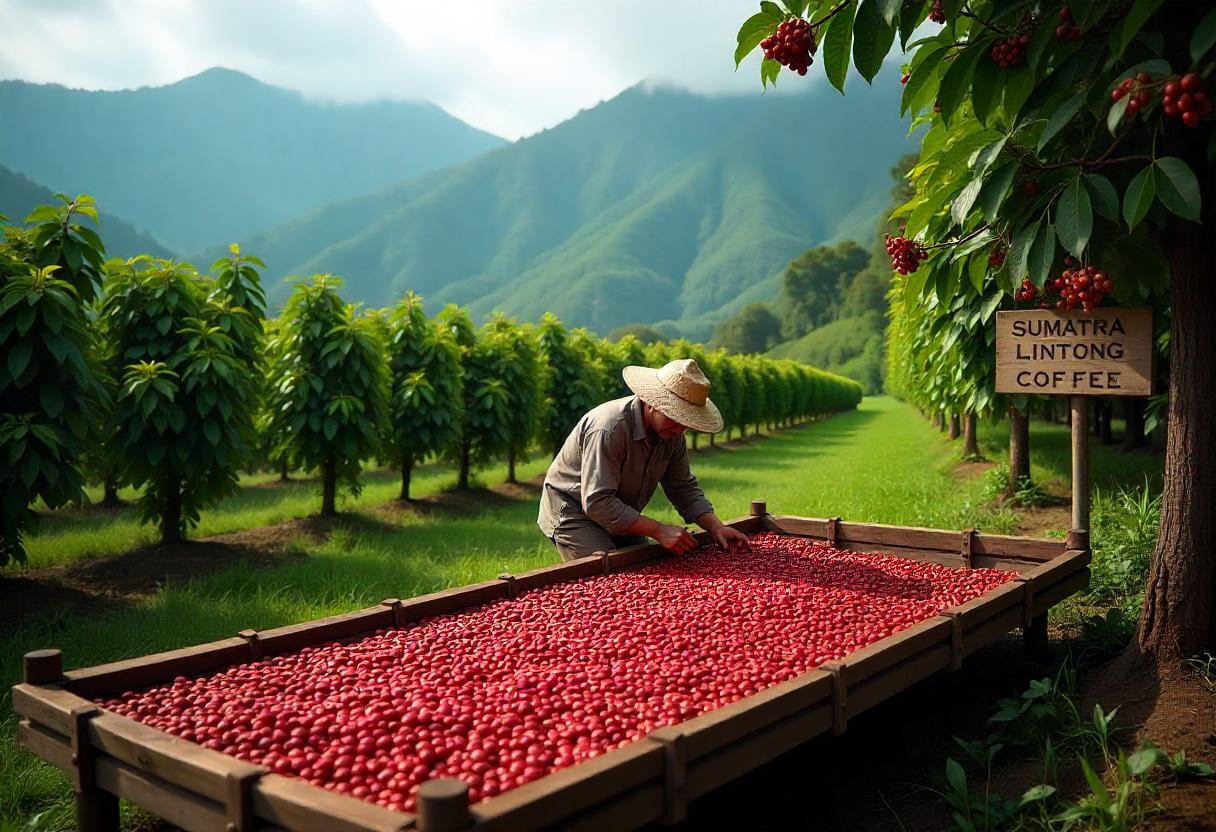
x,y
995,189
1037,793
1131,23
984,87
755,29
1139,197
965,199
19,358
956,777
51,399
1042,253
1060,118
1204,36
910,16
1019,251
212,430
769,70
921,75
872,39
1142,761
837,42
1074,218
1177,187
1105,197
957,81
1019,84
1117,111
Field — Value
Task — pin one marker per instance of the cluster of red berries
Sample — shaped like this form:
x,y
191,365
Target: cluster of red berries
x,y
996,257
1186,99
905,254
793,45
1067,30
1028,292
1085,287
1135,90
1011,51
938,13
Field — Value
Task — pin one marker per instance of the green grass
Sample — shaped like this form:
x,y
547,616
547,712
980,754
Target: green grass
x,y
881,463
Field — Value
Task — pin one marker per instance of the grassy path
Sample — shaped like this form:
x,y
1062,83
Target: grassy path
x,y
881,463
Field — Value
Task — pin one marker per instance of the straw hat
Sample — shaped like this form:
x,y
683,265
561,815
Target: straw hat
x,y
678,390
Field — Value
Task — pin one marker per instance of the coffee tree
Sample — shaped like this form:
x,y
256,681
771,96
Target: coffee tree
x,y
570,388
425,399
50,394
1080,131
522,371
328,403
181,423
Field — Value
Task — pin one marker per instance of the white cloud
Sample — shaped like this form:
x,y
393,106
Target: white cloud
x,y
508,67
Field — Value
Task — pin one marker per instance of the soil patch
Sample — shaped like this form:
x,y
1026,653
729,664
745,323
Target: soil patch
x,y
971,469
1040,520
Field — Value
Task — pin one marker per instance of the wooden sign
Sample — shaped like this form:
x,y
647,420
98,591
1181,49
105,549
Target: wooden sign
x,y
1107,352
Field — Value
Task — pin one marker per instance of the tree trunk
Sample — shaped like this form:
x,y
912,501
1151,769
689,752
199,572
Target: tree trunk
x,y
936,419
511,465
954,426
1019,448
171,512
1133,434
462,479
1178,619
1106,409
329,488
407,470
971,446
694,440
943,423
109,498
712,443
283,471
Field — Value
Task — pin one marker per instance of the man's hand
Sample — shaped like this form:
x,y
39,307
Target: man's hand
x,y
730,538
675,538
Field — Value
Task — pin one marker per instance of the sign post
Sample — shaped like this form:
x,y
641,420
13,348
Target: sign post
x,y
1107,352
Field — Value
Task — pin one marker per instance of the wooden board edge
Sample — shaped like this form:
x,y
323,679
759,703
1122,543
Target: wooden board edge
x,y
292,803
48,705
143,671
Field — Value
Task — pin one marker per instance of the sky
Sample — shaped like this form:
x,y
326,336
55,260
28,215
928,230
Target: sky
x,y
511,67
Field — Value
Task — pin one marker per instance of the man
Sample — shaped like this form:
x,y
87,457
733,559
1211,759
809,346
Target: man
x,y
610,464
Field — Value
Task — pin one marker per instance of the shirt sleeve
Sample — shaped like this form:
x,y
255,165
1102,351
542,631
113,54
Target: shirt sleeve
x,y
603,459
681,486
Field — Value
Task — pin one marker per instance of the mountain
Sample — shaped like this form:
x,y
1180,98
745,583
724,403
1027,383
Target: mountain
x,y
19,195
215,157
657,205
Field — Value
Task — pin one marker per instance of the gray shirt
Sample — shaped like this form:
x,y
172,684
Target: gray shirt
x,y
609,467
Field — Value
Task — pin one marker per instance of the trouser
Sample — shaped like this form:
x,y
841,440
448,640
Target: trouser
x,y
579,537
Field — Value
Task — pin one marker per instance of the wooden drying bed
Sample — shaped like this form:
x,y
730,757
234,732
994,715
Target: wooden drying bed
x,y
111,756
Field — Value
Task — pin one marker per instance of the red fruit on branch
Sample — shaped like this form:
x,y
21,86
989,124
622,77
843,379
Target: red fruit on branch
x,y
938,13
904,79
1011,52
996,257
905,254
1186,99
792,46
1030,187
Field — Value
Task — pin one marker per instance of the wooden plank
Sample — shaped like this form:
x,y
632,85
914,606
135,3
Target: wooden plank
x,y
130,674
45,743
628,811
747,524
166,757
1023,548
802,526
1054,594
545,575
47,706
295,804
909,537
722,726
769,524
990,604
895,648
951,559
634,555
179,807
1057,570
293,637
895,679
457,598
551,799
1004,564
755,749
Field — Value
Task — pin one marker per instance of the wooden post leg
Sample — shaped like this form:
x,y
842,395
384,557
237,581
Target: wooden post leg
x,y
1035,639
1080,462
96,811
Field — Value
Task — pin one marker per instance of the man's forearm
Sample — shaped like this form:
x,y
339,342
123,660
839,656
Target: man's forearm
x,y
645,526
709,521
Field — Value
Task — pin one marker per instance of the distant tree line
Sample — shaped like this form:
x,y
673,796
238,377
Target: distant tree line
x,y
149,373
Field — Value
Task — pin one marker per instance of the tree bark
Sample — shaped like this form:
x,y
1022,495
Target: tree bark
x,y
407,470
171,512
462,478
1019,448
954,431
109,498
1178,618
283,471
511,465
694,440
712,443
1133,434
329,488
971,446
936,419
